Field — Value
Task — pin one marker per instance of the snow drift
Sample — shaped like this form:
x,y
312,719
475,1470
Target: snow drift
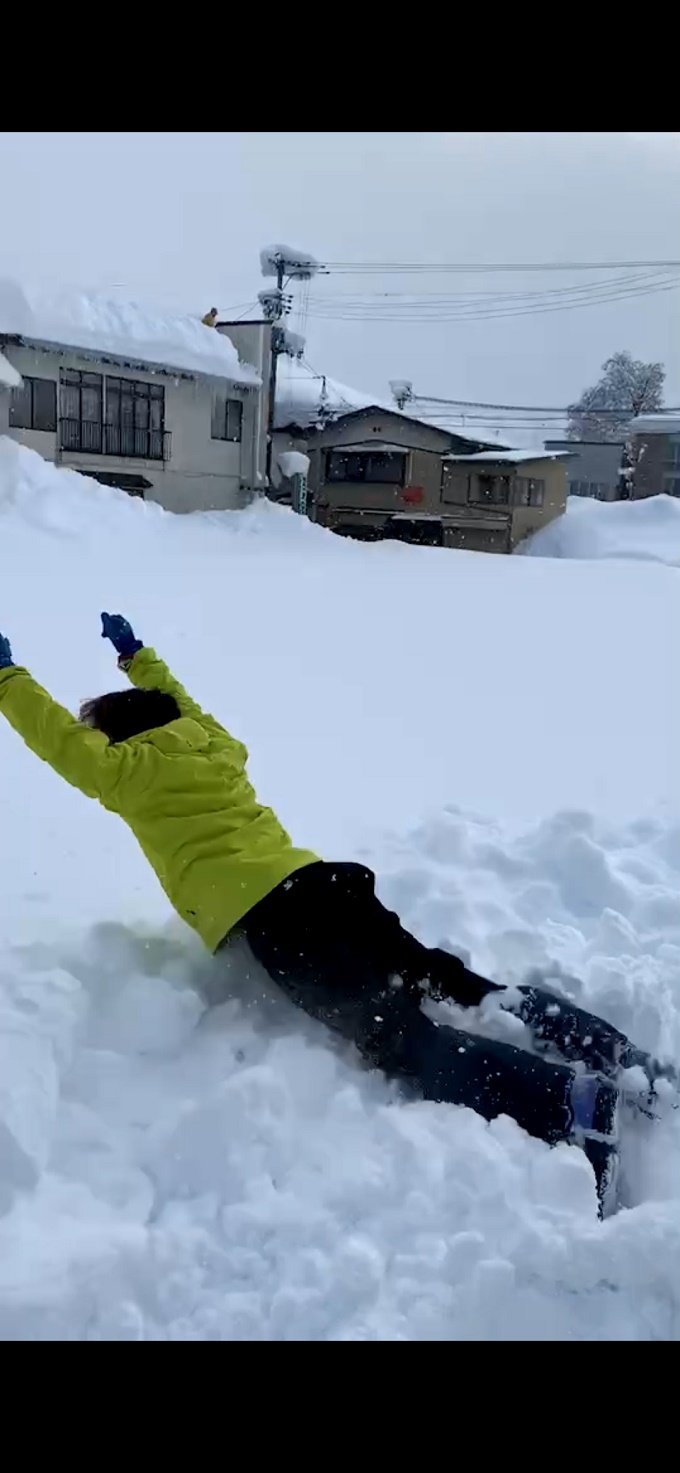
x,y
506,758
648,530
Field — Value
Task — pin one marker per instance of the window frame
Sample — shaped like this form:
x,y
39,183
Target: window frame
x,y
530,486
134,392
222,410
672,457
75,380
105,435
29,382
475,486
364,457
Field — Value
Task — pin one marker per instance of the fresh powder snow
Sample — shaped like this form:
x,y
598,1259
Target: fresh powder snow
x,y
498,737
126,330
647,529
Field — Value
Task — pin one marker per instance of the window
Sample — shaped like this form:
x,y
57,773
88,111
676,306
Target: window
x,y
385,467
134,419
34,405
528,492
80,410
227,420
111,416
490,490
672,459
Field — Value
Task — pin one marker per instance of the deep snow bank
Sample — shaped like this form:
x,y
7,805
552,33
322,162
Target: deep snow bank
x,y
648,530
172,1172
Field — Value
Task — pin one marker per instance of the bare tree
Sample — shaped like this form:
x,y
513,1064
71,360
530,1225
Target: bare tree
x,y
627,387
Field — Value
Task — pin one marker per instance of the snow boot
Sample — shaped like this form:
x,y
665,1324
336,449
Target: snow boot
x,y
594,1104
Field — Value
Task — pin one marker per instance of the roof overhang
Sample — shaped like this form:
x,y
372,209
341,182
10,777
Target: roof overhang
x,y
119,360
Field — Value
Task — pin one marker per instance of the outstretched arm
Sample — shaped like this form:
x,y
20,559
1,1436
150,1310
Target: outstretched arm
x,y
80,755
146,670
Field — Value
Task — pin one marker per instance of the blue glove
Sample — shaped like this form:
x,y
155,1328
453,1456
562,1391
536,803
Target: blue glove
x,y
5,653
121,634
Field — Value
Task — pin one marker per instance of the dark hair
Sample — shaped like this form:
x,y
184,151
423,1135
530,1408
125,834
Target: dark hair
x,y
126,713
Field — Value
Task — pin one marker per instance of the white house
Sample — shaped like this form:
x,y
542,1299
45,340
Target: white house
x,y
161,406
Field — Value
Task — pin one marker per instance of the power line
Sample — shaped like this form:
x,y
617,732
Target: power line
x,y
406,298
406,267
459,314
473,404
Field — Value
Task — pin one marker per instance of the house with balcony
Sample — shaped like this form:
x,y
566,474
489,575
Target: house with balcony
x,y
162,407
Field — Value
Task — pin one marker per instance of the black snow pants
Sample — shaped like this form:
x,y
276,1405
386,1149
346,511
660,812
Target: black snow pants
x,y
338,953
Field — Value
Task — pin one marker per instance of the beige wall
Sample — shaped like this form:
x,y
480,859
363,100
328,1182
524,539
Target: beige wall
x,y
253,343
201,475
458,476
528,519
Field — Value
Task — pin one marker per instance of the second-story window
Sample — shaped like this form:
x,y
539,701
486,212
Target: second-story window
x,y
111,416
33,406
227,419
135,414
375,467
80,410
529,492
489,490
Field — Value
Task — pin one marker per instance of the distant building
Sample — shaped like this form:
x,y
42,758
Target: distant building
x,y
655,454
593,467
163,408
375,472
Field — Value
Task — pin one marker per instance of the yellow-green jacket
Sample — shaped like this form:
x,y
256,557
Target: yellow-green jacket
x,y
183,790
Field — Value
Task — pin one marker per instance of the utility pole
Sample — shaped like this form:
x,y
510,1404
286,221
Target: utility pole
x,y
286,265
273,369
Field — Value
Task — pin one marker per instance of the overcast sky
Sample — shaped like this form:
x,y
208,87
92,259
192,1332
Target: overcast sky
x,y
179,218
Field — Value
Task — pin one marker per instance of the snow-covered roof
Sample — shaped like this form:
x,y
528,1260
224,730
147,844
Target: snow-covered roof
x,y
305,399
515,457
120,330
655,424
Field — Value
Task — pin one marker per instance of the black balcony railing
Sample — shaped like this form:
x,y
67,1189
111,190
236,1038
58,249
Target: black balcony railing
x,y
127,443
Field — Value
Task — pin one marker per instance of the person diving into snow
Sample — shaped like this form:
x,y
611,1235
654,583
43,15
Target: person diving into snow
x,y
178,779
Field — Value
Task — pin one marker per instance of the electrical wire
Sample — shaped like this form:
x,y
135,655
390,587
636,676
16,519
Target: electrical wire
x,y
354,268
479,404
459,314
486,297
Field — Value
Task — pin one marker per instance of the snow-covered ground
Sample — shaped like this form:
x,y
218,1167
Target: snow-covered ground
x,y
647,530
499,738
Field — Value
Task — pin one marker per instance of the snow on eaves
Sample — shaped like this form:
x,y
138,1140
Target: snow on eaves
x,y
515,457
655,424
121,330
9,377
